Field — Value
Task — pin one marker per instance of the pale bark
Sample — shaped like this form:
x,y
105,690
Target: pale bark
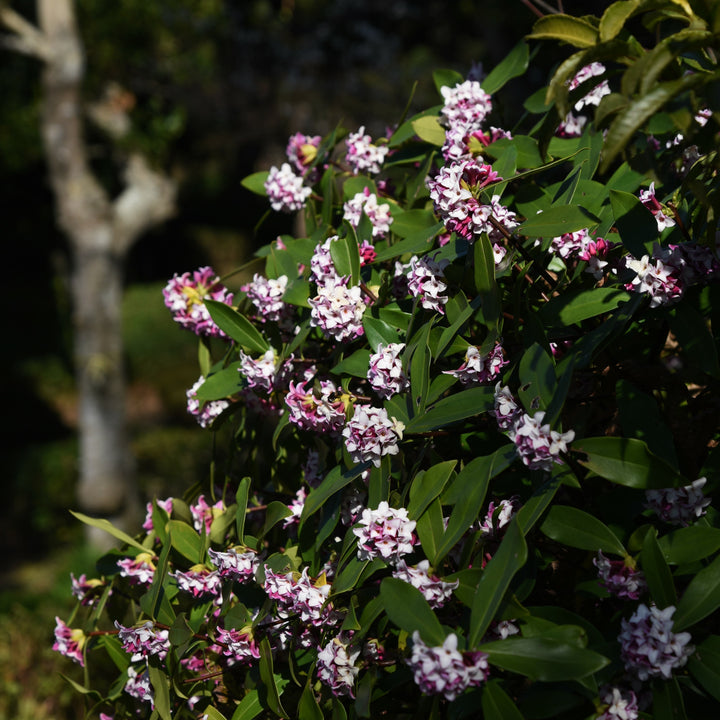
x,y
100,231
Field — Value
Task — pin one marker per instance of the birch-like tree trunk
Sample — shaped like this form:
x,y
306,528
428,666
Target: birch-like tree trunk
x,y
100,231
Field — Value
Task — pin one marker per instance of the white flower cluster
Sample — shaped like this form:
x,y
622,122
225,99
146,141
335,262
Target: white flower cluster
x,y
444,670
436,591
299,595
537,445
649,647
479,368
679,506
385,532
574,124
424,282
655,278
338,310
367,202
618,705
336,667
371,433
234,563
385,372
466,105
362,155
285,189
266,295
259,373
142,641
322,268
205,413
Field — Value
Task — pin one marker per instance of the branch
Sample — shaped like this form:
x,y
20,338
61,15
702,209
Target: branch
x,y
26,38
148,200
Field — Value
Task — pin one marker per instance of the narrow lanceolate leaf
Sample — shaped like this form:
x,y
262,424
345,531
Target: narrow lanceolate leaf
x,y
701,597
574,31
334,481
639,111
514,64
557,221
626,461
268,689
544,658
410,611
430,130
570,308
463,405
346,258
614,17
495,580
109,528
690,544
576,528
497,704
427,486
657,573
248,708
704,665
236,326
185,539
221,384
256,182
161,691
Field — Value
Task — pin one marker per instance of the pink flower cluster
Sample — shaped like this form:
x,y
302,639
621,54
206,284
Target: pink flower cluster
x,y
322,268
424,282
444,670
321,413
679,506
649,647
238,646
266,295
234,563
362,156
385,532
338,310
618,704
185,297
620,577
655,277
648,199
204,514
166,505
140,570
138,685
336,666
436,591
506,409
580,245
285,189
298,594
371,434
367,202
537,445
302,151
199,581
143,641
465,106
498,516
266,373
478,368
69,641
205,412
385,372
574,124
86,590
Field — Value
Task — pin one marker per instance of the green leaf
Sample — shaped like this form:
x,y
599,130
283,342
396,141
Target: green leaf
x,y
241,498
497,704
161,691
114,649
635,223
667,700
334,481
499,572
221,384
256,182
249,707
537,378
462,405
276,511
419,354
152,600
185,539
430,130
414,224
657,573
427,485
349,576
410,611
704,665
544,658
236,326
538,502
513,65
692,332
527,152
575,306
565,28
469,488
356,364
268,690
701,597
109,528
576,528
641,109
626,461
614,17
378,332
690,544
308,708
558,220
430,528
346,258
213,713
297,293
446,78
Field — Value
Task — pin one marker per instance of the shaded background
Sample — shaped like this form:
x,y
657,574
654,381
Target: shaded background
x,y
216,88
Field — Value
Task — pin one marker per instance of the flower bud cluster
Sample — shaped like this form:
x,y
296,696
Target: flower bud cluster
x,y
321,413
620,577
385,532
69,642
302,151
649,647
185,297
679,506
444,670
140,570
266,296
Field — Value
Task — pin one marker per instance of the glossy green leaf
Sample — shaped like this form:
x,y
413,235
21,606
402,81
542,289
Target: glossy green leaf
x,y
276,511
160,683
690,544
152,600
513,65
536,505
693,333
700,599
576,528
241,498
565,28
346,258
614,18
378,332
249,707
356,364
414,223
462,405
213,713
704,665
409,610
308,708
221,384
499,572
497,704
537,378
334,481
657,573
115,650
544,658
186,540
420,359
109,528
430,529
412,245
237,327
256,182
574,307
430,130
626,461
558,220
268,690
635,223
668,701
427,485
446,78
